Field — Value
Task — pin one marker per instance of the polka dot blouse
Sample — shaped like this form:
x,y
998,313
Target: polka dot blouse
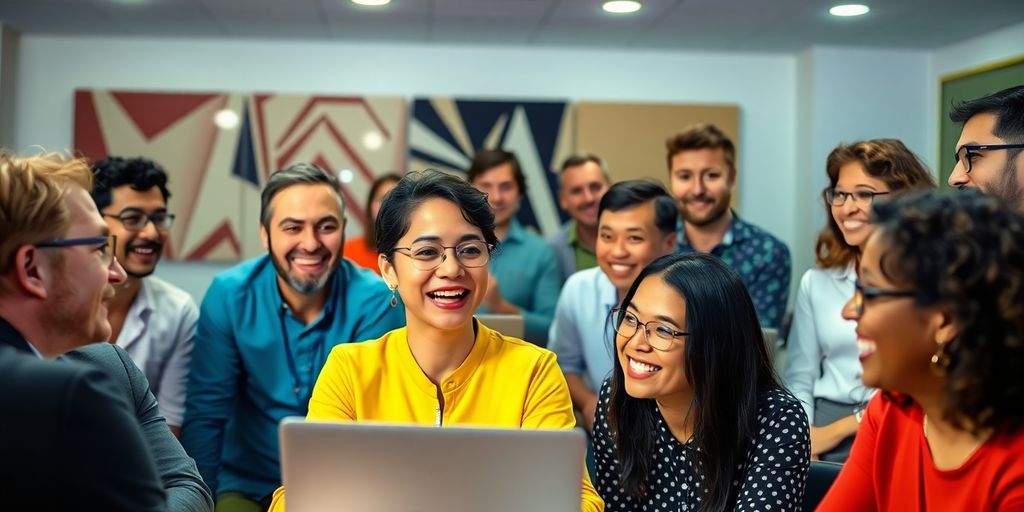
x,y
772,477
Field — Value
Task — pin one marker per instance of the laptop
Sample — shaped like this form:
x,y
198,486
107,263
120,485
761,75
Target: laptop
x,y
509,325
376,467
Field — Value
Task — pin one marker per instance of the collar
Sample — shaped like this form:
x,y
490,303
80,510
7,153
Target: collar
x,y
738,231
334,293
462,375
141,308
516,232
13,338
847,273
572,237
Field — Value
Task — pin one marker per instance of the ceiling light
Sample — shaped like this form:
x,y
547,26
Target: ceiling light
x,y
849,10
621,6
372,3
372,140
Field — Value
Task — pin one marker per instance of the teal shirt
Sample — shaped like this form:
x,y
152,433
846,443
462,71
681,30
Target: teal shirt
x,y
528,274
241,383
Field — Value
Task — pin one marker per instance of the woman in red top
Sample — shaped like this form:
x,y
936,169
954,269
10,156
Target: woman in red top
x,y
361,249
939,307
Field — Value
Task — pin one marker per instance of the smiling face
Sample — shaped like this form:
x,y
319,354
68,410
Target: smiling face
x,y
137,251
993,172
446,297
305,235
84,286
503,194
627,240
651,373
701,181
582,188
852,217
896,338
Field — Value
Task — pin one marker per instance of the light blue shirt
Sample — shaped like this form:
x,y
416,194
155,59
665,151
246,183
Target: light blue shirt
x,y
822,346
528,275
581,335
241,383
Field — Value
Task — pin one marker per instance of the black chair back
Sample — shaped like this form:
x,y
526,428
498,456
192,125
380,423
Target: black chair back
x,y
819,480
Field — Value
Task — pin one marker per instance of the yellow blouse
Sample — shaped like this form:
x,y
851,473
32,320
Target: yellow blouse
x,y
504,382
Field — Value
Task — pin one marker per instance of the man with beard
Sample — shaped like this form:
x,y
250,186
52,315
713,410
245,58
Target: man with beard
x,y
153,320
265,330
702,172
583,181
68,438
990,152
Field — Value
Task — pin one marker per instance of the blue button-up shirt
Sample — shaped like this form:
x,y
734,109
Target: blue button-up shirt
x,y
581,335
761,260
527,271
255,363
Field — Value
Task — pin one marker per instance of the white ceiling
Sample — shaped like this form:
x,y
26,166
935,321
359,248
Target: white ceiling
x,y
730,25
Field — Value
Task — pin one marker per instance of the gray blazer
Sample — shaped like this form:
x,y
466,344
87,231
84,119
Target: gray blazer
x,y
186,491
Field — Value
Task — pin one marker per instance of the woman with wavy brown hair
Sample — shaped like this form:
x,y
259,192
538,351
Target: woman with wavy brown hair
x,y
823,370
939,307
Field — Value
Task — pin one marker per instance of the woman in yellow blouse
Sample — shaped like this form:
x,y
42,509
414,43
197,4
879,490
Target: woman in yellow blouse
x,y
435,235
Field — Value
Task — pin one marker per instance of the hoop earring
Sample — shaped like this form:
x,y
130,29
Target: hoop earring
x,y
940,360
394,298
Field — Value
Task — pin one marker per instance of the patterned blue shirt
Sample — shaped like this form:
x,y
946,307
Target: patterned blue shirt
x,y
761,260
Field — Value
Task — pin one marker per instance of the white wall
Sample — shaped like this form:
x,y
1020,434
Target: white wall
x,y
826,95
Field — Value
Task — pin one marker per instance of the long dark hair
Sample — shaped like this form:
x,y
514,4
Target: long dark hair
x,y
727,366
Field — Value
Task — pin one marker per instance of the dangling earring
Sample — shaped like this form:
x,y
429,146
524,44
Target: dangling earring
x,y
394,299
940,360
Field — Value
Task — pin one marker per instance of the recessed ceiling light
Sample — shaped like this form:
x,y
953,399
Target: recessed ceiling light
x,y
372,3
849,10
346,175
621,6
225,119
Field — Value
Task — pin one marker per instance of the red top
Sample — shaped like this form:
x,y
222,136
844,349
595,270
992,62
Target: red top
x,y
357,251
890,469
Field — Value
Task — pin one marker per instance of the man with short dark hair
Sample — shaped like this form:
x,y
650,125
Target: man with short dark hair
x,y
990,151
637,221
265,330
68,439
583,181
153,320
525,278
702,173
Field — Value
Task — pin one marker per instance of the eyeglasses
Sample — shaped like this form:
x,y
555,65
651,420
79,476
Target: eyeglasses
x,y
966,153
863,293
627,324
428,256
106,245
862,198
134,219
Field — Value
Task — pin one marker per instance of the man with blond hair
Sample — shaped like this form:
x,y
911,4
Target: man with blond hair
x,y
70,437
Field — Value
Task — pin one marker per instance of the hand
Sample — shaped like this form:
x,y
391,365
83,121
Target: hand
x,y
492,297
828,437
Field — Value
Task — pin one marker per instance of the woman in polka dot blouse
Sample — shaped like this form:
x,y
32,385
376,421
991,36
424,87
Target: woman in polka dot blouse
x,y
693,417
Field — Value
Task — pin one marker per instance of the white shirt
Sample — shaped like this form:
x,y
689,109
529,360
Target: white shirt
x,y
822,346
581,335
158,333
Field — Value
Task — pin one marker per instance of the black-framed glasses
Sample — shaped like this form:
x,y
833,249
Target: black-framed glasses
x,y
106,245
430,255
659,335
966,153
863,198
134,219
863,293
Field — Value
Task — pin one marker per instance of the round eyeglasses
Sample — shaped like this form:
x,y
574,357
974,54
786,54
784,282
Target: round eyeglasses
x,y
430,255
659,335
134,219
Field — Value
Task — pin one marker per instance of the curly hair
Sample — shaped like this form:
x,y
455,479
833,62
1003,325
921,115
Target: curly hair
x,y
966,252
886,159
